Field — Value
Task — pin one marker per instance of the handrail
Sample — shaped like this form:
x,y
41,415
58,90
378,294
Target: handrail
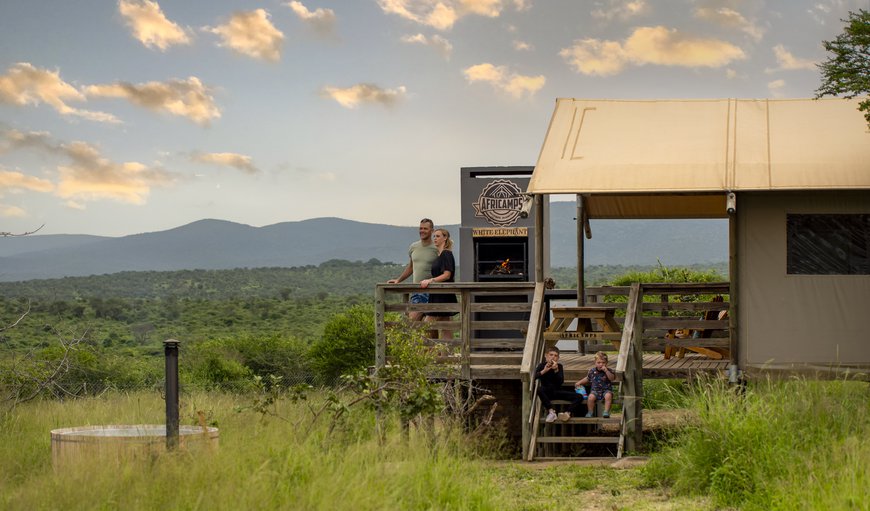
x,y
533,335
388,299
531,354
635,296
629,369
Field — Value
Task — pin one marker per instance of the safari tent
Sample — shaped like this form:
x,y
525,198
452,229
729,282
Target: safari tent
x,y
792,177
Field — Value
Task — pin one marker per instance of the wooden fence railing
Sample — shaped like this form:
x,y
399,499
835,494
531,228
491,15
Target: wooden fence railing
x,y
676,316
489,317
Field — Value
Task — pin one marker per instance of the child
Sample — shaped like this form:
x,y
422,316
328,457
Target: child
x,y
552,375
600,377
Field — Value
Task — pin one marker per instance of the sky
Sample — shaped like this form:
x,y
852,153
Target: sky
x,y
130,116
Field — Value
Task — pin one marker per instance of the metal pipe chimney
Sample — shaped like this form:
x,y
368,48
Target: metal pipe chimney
x,y
170,347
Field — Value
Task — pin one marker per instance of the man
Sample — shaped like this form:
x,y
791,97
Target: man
x,y
422,254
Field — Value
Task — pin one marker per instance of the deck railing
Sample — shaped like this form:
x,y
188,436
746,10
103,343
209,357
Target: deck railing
x,y
676,316
489,316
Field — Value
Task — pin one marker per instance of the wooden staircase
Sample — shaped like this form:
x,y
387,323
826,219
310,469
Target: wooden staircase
x,y
578,437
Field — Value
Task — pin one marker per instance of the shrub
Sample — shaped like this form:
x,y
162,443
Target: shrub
x,y
347,344
233,359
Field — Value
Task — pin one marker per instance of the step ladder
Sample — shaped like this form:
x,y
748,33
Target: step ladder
x,y
578,437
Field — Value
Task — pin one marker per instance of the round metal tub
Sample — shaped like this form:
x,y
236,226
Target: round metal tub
x,y
124,442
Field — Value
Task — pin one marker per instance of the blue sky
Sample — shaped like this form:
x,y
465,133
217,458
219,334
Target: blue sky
x,y
120,117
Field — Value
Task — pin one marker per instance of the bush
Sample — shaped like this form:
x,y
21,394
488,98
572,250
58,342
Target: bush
x,y
233,359
669,275
347,344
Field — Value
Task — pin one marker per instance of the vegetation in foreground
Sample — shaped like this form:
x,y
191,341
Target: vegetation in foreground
x,y
786,445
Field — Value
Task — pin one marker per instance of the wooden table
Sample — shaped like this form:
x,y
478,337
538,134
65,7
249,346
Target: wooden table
x,y
608,328
684,333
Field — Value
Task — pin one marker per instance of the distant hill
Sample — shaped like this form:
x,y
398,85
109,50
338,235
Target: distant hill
x,y
218,244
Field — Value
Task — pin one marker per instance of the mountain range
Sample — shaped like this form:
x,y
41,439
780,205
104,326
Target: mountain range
x,y
219,244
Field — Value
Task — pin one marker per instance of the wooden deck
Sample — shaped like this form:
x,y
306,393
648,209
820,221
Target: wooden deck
x,y
501,366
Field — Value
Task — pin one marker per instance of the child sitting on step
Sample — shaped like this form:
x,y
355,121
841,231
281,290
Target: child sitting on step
x,y
551,376
600,378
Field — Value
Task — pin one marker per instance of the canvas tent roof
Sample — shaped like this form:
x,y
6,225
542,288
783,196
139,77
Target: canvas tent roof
x,y
676,158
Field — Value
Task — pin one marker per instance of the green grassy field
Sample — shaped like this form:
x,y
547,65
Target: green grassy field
x,y
792,445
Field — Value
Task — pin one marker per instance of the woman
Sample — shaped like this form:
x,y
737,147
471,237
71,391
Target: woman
x,y
443,270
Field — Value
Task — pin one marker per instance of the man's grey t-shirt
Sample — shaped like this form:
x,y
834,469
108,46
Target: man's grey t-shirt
x,y
422,257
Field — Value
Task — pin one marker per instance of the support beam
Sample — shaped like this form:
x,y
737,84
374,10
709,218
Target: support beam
x,y
581,277
539,238
733,275
380,332
527,408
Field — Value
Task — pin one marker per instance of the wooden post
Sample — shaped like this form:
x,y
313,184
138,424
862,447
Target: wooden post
x,y
637,354
581,277
539,238
527,408
465,332
633,378
380,334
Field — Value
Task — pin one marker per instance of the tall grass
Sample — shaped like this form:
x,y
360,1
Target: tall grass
x,y
787,445
262,463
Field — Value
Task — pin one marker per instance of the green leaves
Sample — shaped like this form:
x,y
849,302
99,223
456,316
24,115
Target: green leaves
x,y
847,70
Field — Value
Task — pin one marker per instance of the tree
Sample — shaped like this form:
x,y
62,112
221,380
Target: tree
x,y
847,71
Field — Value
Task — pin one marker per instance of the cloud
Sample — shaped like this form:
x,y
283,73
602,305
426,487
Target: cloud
x,y
90,177
13,139
730,74
87,175
522,5
649,45
234,160
596,57
503,79
11,182
522,46
186,98
441,45
71,204
619,9
729,18
775,87
788,62
822,10
251,33
8,211
443,14
321,20
150,26
352,97
24,84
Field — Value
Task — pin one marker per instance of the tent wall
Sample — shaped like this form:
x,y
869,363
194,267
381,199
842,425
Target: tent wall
x,y
797,320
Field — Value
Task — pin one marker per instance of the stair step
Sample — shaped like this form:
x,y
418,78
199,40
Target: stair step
x,y
614,419
566,402
571,458
578,439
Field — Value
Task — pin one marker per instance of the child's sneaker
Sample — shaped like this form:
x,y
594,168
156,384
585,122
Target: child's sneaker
x,y
551,417
564,416
605,415
588,415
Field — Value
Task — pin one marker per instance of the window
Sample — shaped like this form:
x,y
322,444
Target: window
x,y
828,244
